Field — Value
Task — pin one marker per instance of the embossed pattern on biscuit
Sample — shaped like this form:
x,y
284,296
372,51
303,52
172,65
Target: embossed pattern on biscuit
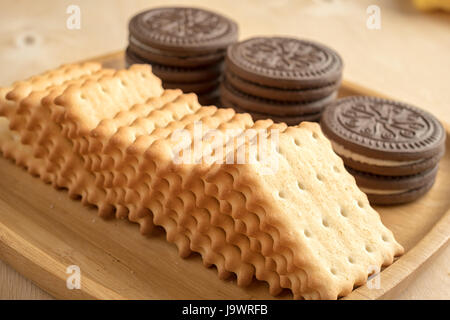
x,y
40,130
11,96
231,257
15,104
44,136
81,107
62,162
172,104
272,262
139,157
86,105
27,95
330,277
12,149
227,235
180,204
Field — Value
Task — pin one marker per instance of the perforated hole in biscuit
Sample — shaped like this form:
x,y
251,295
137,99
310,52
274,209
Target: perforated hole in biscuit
x,y
368,248
307,233
281,194
343,212
325,222
360,204
351,260
333,271
336,169
300,186
279,150
297,142
385,238
315,135
320,177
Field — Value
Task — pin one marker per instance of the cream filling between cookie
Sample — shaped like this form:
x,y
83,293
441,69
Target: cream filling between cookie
x,y
342,151
377,191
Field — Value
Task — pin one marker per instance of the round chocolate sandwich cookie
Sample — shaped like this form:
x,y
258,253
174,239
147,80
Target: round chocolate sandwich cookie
x,y
211,98
285,95
392,184
176,74
382,136
398,198
131,58
188,31
172,74
286,63
396,169
272,107
289,120
197,87
174,59
383,190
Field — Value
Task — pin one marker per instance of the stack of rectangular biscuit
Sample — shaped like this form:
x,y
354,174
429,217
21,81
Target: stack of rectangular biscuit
x,y
289,214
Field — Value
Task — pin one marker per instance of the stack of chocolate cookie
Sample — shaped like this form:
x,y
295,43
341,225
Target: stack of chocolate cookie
x,y
285,79
185,46
391,148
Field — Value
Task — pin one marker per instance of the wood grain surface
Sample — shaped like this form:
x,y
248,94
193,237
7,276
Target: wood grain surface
x,y
406,59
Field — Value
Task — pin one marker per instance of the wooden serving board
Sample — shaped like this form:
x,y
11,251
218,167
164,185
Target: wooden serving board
x,y
43,231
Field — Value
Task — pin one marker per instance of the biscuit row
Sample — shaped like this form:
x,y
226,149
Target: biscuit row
x,y
178,114
55,142
108,137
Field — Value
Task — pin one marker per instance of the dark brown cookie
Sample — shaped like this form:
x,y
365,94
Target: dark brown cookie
x,y
176,74
394,183
196,87
211,98
285,95
272,107
289,120
171,59
382,132
398,170
186,75
286,63
383,190
401,197
190,31
132,58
